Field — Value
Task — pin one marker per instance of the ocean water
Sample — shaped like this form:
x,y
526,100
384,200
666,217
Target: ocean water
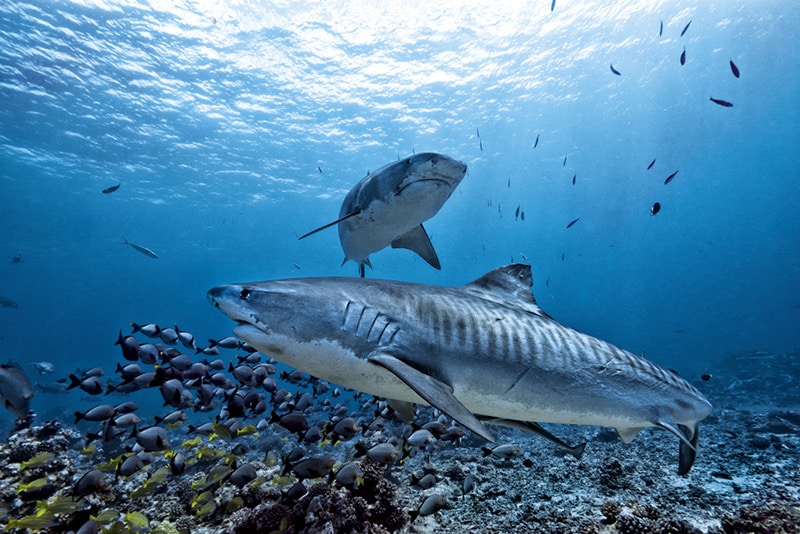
x,y
234,127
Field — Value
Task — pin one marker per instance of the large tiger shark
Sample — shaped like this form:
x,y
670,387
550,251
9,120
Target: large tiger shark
x,y
483,352
388,207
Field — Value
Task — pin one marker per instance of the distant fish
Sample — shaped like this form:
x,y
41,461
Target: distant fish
x,y
723,103
522,215
144,250
478,132
6,302
16,258
683,56
651,165
574,176
570,225
480,142
111,189
655,208
734,69
509,183
685,28
516,213
565,161
536,143
319,169
43,367
670,177
615,71
661,29
552,6
705,377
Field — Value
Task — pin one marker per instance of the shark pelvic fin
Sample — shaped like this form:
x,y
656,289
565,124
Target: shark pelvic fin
x,y
417,240
627,434
436,393
688,449
536,428
337,221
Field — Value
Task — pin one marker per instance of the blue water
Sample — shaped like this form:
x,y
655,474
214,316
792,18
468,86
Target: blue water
x,y
215,117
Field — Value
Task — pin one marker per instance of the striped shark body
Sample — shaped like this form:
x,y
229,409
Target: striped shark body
x,y
480,352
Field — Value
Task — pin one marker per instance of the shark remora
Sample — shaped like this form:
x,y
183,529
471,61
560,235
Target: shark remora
x,y
388,207
483,351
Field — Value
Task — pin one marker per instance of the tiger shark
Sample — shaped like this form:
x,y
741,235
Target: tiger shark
x,y
388,207
482,352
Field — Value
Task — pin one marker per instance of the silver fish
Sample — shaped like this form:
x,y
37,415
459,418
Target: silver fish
x,y
144,250
497,354
16,389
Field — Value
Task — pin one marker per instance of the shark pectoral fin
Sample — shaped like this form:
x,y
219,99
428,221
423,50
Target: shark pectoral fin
x,y
337,221
403,409
436,393
536,428
627,434
417,240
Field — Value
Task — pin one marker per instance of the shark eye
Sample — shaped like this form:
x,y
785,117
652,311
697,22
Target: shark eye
x,y
244,294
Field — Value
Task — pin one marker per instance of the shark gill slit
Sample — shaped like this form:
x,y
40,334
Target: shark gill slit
x,y
344,315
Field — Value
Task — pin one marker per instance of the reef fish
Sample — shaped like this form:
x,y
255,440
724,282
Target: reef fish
x,y
16,389
389,206
720,102
497,354
144,250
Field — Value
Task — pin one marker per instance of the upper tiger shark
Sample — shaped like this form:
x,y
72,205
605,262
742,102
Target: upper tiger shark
x,y
388,207
483,352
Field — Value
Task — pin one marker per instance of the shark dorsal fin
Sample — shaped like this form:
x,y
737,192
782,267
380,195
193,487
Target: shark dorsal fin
x,y
509,285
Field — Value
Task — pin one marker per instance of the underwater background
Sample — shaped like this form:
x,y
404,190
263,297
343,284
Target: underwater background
x,y
232,128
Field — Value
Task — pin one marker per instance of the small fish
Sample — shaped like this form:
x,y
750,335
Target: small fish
x,y
564,164
723,103
432,503
536,143
615,71
574,176
6,302
32,523
734,69
505,451
111,189
570,225
552,6
43,367
522,215
509,185
37,461
16,258
478,132
319,169
651,165
480,142
683,56
89,483
670,177
685,28
516,213
661,29
655,208
16,389
705,377
144,250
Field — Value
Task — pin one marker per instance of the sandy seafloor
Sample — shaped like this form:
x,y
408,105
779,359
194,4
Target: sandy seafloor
x,y
746,477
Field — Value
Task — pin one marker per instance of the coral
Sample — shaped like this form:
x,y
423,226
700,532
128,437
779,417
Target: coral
x,y
769,518
646,511
629,524
674,526
184,524
610,511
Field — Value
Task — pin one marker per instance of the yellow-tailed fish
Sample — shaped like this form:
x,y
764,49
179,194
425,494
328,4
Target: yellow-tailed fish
x,y
33,485
37,461
31,522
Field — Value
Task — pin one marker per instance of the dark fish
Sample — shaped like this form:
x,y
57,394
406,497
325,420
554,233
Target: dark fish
x,y
478,132
615,71
683,56
16,258
661,29
111,189
723,103
552,6
319,169
685,28
89,483
144,250
8,303
705,377
651,165
434,502
565,161
16,389
522,215
536,143
670,177
509,185
570,225
516,213
480,142
734,69
655,208
574,176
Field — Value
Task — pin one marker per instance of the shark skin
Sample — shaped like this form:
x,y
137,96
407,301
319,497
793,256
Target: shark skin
x,y
388,207
483,351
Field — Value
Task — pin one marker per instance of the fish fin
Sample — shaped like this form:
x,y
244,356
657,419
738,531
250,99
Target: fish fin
x,y
435,392
684,434
536,428
417,240
506,285
627,434
404,409
688,449
337,221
